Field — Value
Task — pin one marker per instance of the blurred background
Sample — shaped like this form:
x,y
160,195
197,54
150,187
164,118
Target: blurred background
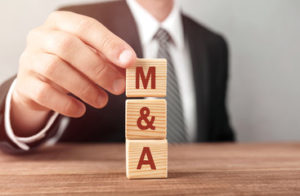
x,y
264,41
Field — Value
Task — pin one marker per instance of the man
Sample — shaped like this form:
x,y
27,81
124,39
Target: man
x,y
71,80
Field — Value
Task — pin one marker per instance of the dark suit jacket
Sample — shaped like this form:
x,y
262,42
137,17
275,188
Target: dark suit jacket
x,y
209,57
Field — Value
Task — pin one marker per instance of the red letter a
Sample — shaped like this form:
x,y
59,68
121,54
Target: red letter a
x,y
146,150
139,73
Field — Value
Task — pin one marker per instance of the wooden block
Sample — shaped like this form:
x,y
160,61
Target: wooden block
x,y
146,159
146,119
148,78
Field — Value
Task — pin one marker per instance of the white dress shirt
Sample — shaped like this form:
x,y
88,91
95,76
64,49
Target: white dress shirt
x,y
147,27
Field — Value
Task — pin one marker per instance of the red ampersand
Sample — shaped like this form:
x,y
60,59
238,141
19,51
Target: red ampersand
x,y
144,112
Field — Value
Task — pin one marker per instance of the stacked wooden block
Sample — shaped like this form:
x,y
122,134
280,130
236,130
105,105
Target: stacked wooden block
x,y
146,120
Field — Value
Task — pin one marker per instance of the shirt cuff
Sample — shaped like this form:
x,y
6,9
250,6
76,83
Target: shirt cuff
x,y
22,142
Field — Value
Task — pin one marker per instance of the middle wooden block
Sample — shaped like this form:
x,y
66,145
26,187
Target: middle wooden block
x,y
146,119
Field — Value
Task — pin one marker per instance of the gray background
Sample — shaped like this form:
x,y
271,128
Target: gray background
x,y
264,89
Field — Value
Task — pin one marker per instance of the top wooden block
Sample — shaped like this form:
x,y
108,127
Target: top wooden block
x,y
147,78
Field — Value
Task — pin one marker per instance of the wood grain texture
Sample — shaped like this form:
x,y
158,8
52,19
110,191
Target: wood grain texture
x,y
161,78
159,153
194,169
158,109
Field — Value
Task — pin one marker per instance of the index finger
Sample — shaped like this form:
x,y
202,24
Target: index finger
x,y
94,34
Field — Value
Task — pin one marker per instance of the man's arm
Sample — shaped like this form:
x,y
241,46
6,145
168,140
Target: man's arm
x,y
9,142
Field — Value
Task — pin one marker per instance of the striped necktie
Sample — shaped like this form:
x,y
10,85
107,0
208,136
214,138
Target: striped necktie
x,y
175,122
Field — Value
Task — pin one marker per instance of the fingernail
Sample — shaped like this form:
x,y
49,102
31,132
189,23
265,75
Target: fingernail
x,y
119,85
125,57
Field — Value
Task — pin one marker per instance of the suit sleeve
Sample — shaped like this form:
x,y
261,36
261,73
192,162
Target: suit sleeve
x,y
221,129
8,141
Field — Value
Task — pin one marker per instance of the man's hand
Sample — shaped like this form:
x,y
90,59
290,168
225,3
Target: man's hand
x,y
69,53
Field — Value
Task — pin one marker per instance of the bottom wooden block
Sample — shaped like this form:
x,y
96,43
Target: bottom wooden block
x,y
146,159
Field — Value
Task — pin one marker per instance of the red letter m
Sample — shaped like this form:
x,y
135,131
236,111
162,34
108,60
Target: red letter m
x,y
145,80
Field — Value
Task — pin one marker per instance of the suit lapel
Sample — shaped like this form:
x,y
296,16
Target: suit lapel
x,y
199,61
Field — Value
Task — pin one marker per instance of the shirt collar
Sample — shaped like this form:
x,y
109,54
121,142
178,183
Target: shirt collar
x,y
147,25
